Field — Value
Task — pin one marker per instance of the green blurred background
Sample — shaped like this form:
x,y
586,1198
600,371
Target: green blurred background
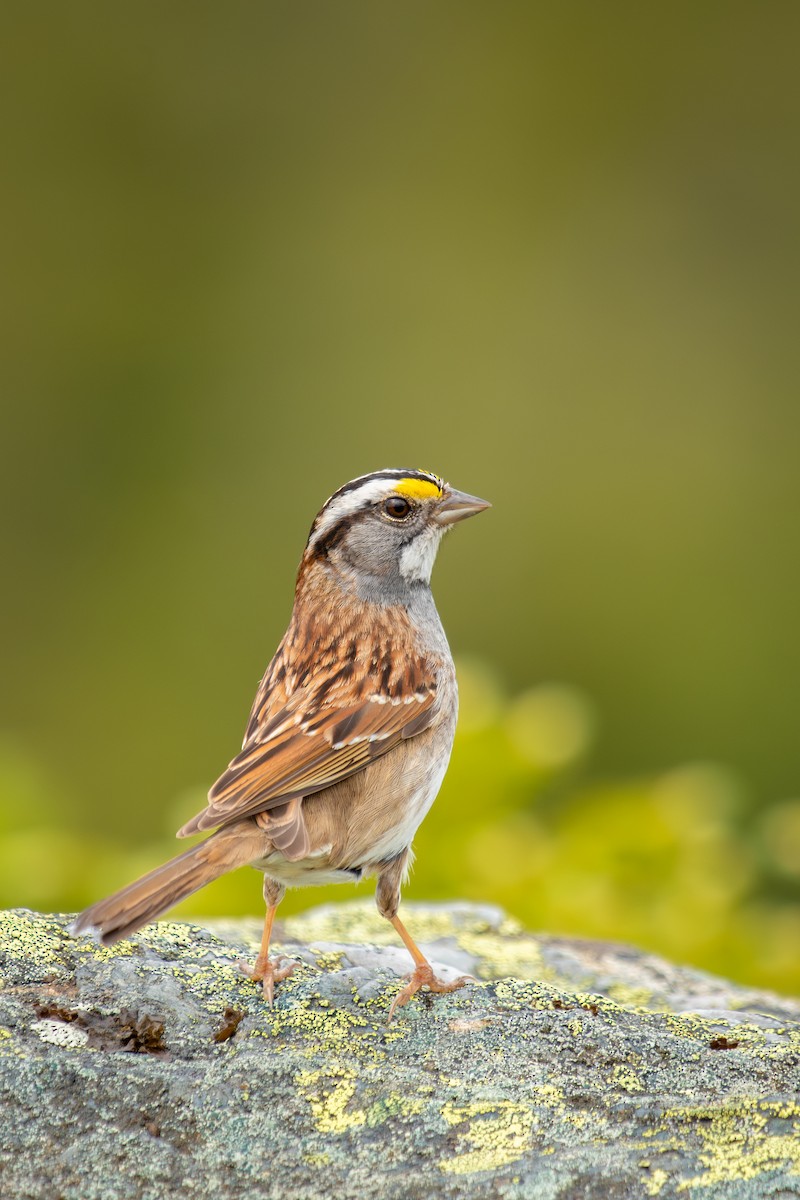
x,y
551,252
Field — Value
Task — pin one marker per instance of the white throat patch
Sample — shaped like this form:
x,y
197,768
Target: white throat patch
x,y
418,557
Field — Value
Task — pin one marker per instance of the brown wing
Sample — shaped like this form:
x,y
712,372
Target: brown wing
x,y
327,707
302,753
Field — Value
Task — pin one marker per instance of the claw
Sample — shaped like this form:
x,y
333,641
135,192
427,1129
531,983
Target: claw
x,y
267,972
421,977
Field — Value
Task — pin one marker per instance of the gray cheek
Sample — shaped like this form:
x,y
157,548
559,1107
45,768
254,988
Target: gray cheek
x,y
372,548
384,564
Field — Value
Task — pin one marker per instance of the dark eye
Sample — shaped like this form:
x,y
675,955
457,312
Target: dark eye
x,y
397,507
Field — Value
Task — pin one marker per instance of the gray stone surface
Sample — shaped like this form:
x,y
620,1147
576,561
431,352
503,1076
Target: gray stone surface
x,y
571,1069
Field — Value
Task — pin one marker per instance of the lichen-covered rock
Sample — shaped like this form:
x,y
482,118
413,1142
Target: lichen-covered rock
x,y
571,1069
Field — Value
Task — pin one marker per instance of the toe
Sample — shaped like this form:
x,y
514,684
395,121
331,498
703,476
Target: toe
x,y
423,977
402,997
267,973
268,988
255,972
439,985
284,972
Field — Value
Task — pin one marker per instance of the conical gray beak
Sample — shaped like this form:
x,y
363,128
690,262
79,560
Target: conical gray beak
x,y
455,506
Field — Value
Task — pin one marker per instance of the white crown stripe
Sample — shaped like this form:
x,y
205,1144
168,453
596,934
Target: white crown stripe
x,y
346,503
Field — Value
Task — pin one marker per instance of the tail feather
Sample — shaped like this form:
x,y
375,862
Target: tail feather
x,y
147,898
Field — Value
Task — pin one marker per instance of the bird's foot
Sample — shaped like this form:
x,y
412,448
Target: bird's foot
x,y
268,972
423,977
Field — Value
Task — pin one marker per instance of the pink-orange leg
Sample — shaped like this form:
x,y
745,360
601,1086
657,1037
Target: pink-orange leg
x,y
267,971
422,975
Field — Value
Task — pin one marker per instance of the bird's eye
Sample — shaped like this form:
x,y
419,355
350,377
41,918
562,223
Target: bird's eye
x,y
397,507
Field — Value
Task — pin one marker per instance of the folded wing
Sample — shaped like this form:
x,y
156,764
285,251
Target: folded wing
x,y
305,747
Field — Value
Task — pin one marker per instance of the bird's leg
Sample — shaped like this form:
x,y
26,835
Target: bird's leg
x,y
422,975
387,898
265,970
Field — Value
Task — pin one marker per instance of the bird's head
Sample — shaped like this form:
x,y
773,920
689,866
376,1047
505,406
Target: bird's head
x,y
387,526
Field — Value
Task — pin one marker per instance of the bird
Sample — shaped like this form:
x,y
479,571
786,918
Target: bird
x,y
350,732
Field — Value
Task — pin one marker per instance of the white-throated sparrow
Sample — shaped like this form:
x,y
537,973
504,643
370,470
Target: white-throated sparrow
x,y
351,729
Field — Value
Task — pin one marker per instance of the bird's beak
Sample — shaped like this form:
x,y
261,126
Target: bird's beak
x,y
455,506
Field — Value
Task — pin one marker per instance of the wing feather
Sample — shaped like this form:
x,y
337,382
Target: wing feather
x,y
301,755
329,704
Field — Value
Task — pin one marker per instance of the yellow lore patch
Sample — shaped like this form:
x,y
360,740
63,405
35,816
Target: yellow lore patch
x,y
419,489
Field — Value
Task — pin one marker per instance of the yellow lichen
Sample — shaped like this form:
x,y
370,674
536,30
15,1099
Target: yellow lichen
x,y
735,1146
327,960
655,1182
8,1046
317,1160
329,1092
499,1133
626,1079
553,1098
393,1106
335,1031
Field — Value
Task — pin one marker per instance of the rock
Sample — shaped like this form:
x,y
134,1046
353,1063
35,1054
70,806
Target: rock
x,y
572,1069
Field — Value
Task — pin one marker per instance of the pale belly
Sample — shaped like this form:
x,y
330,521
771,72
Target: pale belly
x,y
366,821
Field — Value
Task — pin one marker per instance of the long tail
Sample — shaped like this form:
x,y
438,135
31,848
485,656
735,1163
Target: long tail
x,y
141,902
